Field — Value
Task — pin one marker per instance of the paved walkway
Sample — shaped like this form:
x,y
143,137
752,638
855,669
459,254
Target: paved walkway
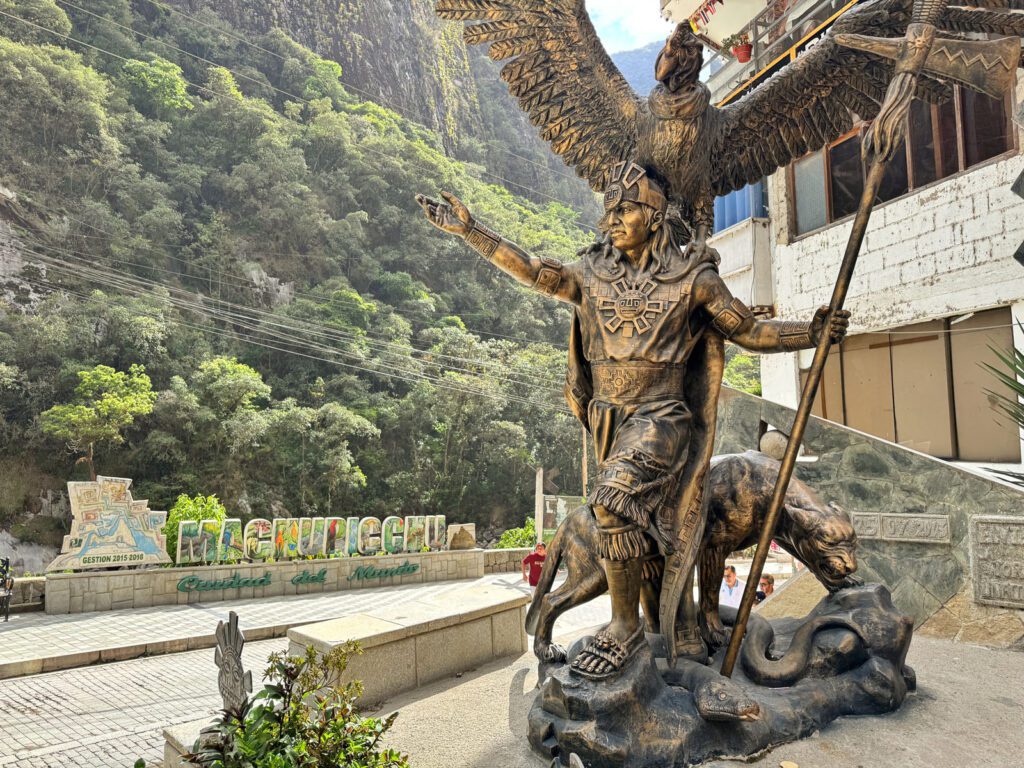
x,y
35,642
965,714
108,715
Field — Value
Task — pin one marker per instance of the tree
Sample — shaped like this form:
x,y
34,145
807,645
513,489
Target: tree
x,y
107,402
1010,373
196,508
158,87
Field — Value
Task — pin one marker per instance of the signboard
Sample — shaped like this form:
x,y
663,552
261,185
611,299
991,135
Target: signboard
x,y
211,541
997,561
110,528
556,509
195,583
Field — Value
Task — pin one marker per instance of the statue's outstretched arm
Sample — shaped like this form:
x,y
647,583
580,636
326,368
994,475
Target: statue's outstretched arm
x,y
544,274
734,320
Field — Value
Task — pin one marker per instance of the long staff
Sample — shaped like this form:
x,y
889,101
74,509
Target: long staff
x,y
803,413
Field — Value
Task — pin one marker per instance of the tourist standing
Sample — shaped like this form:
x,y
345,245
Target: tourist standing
x,y
764,588
732,588
534,561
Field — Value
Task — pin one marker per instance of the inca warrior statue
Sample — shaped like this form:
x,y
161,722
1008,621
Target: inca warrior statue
x,y
645,367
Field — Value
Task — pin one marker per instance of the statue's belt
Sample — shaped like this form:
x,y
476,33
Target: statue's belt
x,y
630,383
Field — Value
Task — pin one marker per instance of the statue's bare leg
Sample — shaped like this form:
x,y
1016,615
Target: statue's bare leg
x,y
622,548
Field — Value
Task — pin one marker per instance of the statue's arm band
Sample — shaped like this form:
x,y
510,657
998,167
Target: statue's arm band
x,y
729,320
795,335
483,240
549,277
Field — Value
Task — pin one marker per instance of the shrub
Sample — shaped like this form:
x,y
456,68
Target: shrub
x,y
518,538
185,508
301,719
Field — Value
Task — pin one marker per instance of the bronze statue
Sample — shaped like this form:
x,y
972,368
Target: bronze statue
x,y
645,353
819,535
644,374
574,94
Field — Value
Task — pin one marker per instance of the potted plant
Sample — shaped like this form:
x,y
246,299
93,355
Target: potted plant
x,y
740,47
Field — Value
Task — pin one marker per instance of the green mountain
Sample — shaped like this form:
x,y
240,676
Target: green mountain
x,y
637,66
214,203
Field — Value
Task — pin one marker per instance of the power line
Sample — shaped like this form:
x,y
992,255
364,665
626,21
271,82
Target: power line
x,y
288,333
439,383
243,281
304,325
244,316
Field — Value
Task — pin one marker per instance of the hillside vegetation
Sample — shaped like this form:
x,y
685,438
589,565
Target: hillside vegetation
x,y
231,218
214,205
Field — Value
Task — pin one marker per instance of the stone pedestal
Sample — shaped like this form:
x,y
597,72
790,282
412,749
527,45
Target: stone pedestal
x,y
847,657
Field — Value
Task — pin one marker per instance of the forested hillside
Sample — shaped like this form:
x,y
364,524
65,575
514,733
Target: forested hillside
x,y
214,278
401,55
215,206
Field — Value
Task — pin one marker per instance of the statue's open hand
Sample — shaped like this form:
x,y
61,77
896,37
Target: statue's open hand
x,y
451,216
837,329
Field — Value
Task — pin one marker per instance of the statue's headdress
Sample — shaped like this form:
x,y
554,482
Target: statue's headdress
x,y
629,181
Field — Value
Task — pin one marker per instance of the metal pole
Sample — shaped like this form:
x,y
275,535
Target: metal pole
x,y
803,413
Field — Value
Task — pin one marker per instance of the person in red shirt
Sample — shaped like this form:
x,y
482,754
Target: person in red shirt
x,y
534,561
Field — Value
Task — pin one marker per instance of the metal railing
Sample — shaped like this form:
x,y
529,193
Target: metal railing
x,y
773,32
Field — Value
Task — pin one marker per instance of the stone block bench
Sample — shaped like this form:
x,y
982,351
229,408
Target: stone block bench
x,y
404,646
416,643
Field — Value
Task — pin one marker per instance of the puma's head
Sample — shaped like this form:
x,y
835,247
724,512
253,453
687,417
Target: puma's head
x,y
824,538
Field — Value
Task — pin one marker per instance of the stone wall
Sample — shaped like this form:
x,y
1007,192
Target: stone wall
x,y
28,594
117,590
504,560
913,514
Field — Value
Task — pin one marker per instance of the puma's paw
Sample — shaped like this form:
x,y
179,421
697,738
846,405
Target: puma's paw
x,y
553,654
714,632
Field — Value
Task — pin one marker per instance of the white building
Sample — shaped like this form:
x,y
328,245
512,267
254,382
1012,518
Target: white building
x,y
936,286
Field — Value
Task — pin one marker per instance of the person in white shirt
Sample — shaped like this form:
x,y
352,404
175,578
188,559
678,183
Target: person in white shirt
x,y
732,588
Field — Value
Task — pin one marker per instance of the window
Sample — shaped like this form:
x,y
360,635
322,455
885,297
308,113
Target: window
x,y
941,140
925,386
740,205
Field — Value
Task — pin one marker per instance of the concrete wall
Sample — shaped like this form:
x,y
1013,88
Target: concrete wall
x,y
746,264
116,590
913,516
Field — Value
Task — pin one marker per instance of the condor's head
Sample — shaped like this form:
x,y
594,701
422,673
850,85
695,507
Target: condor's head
x,y
679,62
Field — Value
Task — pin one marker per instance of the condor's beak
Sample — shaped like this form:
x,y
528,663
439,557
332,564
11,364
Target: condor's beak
x,y
664,67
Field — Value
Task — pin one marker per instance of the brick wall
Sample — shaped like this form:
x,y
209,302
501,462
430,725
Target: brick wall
x,y
943,250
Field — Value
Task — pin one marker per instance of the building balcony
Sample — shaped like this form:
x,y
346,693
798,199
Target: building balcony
x,y
778,31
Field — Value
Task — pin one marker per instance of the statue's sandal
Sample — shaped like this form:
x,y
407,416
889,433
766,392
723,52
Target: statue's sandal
x,y
607,648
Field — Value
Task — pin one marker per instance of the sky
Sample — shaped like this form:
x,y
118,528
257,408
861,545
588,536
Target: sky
x,y
627,24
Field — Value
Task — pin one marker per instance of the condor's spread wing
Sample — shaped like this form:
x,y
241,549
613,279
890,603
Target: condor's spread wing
x,y
811,102
561,75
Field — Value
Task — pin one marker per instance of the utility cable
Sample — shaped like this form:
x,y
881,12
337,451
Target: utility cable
x,y
443,384
304,326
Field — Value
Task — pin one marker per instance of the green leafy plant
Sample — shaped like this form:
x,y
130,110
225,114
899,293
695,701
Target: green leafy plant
x,y
106,403
190,508
518,538
303,718
1010,373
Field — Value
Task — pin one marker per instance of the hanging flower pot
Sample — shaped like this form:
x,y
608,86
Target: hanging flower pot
x,y
742,52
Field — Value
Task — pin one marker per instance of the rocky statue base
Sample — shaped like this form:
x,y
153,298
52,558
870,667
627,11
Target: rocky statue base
x,y
847,657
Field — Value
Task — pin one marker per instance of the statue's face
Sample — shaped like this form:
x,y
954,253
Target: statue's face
x,y
628,226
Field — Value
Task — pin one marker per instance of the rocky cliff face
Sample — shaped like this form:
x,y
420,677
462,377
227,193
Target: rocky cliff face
x,y
401,55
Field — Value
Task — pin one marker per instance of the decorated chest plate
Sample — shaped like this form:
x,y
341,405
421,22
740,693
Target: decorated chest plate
x,y
632,307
